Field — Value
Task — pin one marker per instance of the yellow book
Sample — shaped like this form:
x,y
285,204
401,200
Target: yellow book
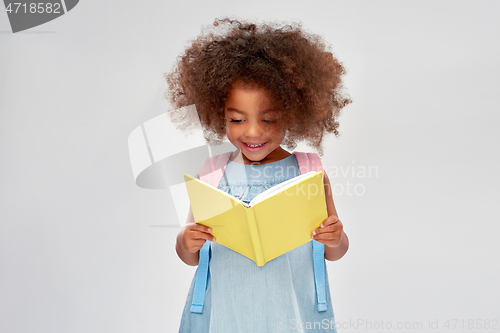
x,y
276,221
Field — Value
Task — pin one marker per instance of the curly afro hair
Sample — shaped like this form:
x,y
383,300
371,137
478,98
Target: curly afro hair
x,y
296,68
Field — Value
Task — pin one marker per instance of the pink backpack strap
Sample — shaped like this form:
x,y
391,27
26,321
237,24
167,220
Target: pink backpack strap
x,y
213,169
308,162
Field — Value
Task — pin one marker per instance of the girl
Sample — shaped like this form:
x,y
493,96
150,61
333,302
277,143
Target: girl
x,y
262,87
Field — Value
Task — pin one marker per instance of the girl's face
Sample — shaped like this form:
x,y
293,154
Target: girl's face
x,y
253,125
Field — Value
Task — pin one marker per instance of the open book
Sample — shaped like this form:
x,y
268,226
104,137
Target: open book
x,y
276,221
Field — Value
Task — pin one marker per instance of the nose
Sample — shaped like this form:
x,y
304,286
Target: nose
x,y
253,129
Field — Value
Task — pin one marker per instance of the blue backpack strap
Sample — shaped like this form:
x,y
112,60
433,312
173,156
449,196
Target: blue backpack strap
x,y
211,173
200,285
319,274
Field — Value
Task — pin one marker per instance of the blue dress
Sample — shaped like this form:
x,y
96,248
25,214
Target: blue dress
x,y
242,297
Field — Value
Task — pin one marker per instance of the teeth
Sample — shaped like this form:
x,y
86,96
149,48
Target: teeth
x,y
254,146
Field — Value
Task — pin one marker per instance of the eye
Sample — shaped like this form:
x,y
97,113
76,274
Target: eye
x,y
270,121
236,120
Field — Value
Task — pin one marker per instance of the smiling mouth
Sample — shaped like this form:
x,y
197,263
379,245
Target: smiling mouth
x,y
254,145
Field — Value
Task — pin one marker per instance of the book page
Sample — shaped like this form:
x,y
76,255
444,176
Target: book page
x,y
286,219
227,194
205,191
280,187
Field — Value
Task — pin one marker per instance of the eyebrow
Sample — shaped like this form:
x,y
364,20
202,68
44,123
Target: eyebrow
x,y
243,112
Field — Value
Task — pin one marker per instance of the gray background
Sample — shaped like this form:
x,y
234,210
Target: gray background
x,y
78,252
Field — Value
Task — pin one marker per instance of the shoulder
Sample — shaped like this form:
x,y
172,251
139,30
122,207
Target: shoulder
x,y
213,163
307,155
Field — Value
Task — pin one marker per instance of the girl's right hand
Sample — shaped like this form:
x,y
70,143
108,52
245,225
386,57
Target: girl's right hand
x,y
194,236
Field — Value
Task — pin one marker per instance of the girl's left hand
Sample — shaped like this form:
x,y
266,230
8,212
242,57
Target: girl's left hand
x,y
330,232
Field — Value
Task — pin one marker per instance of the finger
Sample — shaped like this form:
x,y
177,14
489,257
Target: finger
x,y
202,235
327,236
197,243
330,228
200,227
332,219
330,243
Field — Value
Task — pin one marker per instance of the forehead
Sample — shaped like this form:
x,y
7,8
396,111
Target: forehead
x,y
246,99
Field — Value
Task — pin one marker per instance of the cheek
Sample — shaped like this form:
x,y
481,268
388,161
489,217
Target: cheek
x,y
275,130
230,132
